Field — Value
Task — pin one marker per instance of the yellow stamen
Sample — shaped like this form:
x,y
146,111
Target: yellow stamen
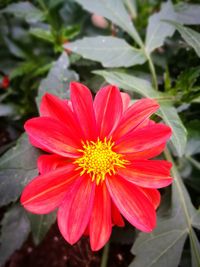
x,y
99,159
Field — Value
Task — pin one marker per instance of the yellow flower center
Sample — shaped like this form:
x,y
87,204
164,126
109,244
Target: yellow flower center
x,y
99,159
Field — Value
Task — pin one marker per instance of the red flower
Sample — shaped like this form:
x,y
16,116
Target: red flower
x,y
99,165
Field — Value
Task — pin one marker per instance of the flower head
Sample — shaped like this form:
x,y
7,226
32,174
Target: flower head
x,y
98,165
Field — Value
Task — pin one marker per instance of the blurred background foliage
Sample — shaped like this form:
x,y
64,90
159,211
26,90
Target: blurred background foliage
x,y
43,47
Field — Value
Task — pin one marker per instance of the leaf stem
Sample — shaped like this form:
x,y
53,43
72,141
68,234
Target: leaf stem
x,y
194,162
104,258
153,72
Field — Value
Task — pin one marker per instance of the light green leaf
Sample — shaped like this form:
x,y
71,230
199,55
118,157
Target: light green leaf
x,y
110,51
179,136
188,13
17,167
40,224
58,79
14,231
166,111
113,10
157,30
24,10
43,34
190,36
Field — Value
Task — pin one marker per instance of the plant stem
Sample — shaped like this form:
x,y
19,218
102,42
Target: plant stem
x,y
153,72
104,258
151,67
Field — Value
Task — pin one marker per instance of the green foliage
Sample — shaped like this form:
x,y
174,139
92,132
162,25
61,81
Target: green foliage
x,y
14,231
40,224
110,51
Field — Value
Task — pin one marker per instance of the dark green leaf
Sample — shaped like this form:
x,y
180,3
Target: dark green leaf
x,y
157,30
110,51
17,167
144,88
14,231
40,224
113,10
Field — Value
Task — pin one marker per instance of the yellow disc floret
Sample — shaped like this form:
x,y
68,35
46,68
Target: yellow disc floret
x,y
99,159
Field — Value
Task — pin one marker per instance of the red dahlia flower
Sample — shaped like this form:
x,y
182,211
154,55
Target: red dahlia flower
x,y
98,167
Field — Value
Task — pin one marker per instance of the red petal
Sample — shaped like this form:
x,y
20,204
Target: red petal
x,y
148,173
45,192
132,203
108,109
82,103
75,212
145,154
56,108
53,136
153,195
47,163
116,216
143,139
135,115
34,142
100,222
125,100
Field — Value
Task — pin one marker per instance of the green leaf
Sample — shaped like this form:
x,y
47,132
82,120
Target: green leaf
x,y
179,136
40,225
110,51
14,231
70,32
115,11
163,247
166,111
157,30
43,34
58,79
188,13
17,167
191,37
24,10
